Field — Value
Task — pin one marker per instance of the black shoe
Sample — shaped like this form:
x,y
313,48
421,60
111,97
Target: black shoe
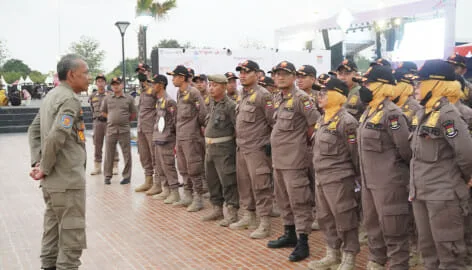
x,y
125,181
49,268
301,251
288,239
107,181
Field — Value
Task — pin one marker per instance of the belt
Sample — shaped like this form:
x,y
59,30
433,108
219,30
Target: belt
x,y
218,140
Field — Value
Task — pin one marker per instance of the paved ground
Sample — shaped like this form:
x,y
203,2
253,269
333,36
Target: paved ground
x,y
126,230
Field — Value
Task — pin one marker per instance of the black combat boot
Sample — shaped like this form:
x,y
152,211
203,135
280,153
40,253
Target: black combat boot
x,y
49,268
107,180
302,250
288,239
125,181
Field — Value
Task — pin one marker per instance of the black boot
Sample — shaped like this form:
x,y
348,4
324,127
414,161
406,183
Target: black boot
x,y
288,239
125,181
302,250
49,268
107,180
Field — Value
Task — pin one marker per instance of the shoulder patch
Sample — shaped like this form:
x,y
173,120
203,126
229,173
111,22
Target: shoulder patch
x,y
393,122
268,102
307,103
450,129
351,136
353,100
66,121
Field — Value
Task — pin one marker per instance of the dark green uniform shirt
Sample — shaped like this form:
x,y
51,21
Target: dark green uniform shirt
x,y
221,120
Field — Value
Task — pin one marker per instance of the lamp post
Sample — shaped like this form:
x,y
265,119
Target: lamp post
x,y
143,20
122,27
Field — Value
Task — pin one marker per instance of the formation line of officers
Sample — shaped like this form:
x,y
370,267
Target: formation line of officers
x,y
390,150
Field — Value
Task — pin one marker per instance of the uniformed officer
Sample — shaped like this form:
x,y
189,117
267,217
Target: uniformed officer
x,y
403,93
232,87
346,72
295,119
119,109
200,82
57,144
191,113
442,158
260,74
146,120
191,75
269,84
254,120
384,154
336,161
164,142
306,79
100,125
460,66
220,158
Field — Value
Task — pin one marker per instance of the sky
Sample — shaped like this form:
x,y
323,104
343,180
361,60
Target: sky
x,y
39,31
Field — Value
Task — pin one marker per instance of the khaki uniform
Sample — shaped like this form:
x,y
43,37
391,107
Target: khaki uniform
x,y
354,104
146,120
164,142
384,154
220,158
119,110
442,158
191,114
57,142
99,125
410,108
466,113
336,161
309,155
254,120
289,142
236,97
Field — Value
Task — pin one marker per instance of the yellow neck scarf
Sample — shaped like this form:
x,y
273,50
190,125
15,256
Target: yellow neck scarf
x,y
333,105
380,91
453,91
438,89
402,90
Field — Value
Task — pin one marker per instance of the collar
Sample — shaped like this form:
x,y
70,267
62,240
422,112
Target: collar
x,y
251,89
290,94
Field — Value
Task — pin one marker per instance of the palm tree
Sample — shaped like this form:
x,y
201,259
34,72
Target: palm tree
x,y
155,9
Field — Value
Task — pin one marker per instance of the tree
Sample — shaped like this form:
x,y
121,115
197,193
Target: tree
x,y
155,9
89,49
3,52
37,77
362,63
130,66
169,43
11,77
15,65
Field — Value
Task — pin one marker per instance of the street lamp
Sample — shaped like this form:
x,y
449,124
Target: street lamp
x,y
122,27
143,20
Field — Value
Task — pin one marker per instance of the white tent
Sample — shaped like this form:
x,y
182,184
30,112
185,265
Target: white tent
x,y
49,80
21,81
28,81
3,82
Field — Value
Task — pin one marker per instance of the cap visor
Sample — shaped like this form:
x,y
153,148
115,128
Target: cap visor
x,y
170,73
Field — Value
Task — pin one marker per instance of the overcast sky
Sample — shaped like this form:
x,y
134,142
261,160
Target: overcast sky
x,y
38,31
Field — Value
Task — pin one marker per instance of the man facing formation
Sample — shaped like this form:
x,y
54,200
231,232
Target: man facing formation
x,y
164,142
119,110
191,113
57,144
146,120
254,120
346,72
296,117
220,159
100,125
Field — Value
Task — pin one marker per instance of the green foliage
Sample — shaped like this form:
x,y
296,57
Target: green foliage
x,y
15,65
12,76
362,63
130,66
37,77
89,49
169,43
156,9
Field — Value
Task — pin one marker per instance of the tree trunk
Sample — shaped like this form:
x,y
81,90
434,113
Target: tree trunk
x,y
141,45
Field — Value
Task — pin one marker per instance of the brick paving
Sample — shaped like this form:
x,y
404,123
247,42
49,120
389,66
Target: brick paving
x,y
126,230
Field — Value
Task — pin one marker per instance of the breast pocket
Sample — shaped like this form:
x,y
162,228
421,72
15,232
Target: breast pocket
x,y
285,120
371,140
428,149
185,111
248,113
220,119
328,145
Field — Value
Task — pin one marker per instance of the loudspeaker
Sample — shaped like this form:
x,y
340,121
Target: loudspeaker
x,y
336,55
155,60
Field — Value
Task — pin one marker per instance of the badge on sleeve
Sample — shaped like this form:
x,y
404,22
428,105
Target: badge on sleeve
x,y
451,130
351,137
307,104
393,122
66,121
268,103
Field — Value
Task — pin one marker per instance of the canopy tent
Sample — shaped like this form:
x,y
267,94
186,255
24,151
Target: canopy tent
x,y
49,80
3,82
28,81
21,81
